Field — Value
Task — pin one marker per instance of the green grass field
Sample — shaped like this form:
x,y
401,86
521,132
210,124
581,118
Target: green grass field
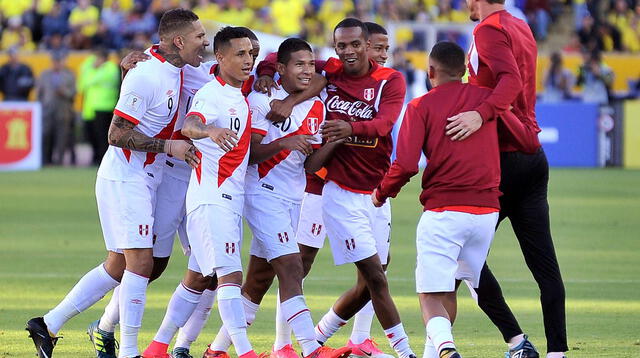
x,y
50,236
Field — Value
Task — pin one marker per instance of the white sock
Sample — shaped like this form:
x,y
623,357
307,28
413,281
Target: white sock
x,y
555,355
89,290
182,304
133,296
439,331
190,331
222,342
362,324
429,349
399,341
111,315
515,340
328,325
283,330
233,317
297,314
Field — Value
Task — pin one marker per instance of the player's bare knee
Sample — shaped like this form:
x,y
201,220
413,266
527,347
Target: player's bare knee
x,y
288,267
115,265
232,278
139,261
196,281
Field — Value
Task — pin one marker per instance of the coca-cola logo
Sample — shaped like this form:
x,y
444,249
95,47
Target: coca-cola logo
x,y
354,109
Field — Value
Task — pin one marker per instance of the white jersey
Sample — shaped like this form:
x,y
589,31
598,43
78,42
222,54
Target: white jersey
x,y
194,79
283,174
219,179
149,99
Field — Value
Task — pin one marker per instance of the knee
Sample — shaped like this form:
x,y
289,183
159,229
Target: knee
x,y
376,280
139,261
196,281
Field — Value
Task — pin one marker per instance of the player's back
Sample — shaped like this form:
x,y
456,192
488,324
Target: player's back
x,y
522,44
456,170
149,99
283,175
220,177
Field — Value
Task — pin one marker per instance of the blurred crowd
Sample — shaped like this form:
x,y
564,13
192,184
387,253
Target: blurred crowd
x,y
114,24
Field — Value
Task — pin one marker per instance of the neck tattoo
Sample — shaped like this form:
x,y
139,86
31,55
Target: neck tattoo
x,y
172,58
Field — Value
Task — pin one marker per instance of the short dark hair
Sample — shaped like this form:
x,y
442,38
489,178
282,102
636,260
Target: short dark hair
x,y
225,35
495,1
352,22
374,28
289,46
450,56
250,34
175,20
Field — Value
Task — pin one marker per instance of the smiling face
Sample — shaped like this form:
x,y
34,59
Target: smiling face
x,y
194,43
296,74
351,47
255,51
235,61
378,51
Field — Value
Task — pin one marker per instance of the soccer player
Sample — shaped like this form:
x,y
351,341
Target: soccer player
x,y
219,124
459,192
378,49
503,57
127,181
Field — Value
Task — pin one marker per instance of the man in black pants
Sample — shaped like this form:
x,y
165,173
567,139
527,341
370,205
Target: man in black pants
x,y
503,57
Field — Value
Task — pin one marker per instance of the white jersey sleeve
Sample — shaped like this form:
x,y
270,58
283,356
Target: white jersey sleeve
x,y
135,97
260,107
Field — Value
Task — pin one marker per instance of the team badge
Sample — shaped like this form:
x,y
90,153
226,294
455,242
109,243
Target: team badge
x,y
230,247
313,124
133,101
143,230
369,93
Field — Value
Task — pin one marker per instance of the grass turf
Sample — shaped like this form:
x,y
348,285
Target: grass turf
x,y
50,236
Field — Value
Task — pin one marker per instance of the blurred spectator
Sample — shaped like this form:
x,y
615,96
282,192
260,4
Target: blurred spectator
x,y
16,35
287,15
159,7
237,14
448,14
16,78
55,22
139,22
56,91
123,5
511,7
331,12
558,81
98,83
32,18
538,14
596,79
11,8
622,18
207,10
112,20
264,22
84,20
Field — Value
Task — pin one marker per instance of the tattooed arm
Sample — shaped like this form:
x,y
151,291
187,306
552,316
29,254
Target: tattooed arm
x,y
194,128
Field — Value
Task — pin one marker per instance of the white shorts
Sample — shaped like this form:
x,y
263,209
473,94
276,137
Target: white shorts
x,y
273,222
216,238
356,229
126,213
452,246
311,230
170,213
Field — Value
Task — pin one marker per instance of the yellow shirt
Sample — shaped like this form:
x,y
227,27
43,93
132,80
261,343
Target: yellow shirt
x,y
243,17
287,15
333,11
209,12
90,15
13,38
453,16
125,5
11,8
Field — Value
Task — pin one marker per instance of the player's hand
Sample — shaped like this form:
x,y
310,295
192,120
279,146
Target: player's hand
x,y
335,130
301,143
183,150
462,125
225,138
130,60
264,84
374,199
280,110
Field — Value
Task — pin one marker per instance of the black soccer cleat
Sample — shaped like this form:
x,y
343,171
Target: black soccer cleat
x,y
449,353
525,349
104,343
41,339
180,352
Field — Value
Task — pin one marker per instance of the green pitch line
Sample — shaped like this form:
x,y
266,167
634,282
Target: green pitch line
x,y
50,236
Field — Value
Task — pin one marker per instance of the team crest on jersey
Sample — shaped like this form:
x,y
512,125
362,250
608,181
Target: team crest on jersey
x,y
369,93
230,247
143,230
313,124
351,244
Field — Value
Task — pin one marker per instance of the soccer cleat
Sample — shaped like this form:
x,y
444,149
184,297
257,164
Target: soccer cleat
x,y
284,352
43,341
104,343
214,354
449,353
156,350
179,352
328,352
368,348
523,350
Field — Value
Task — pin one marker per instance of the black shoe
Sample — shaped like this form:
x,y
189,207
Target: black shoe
x,y
104,343
449,353
41,339
180,352
523,350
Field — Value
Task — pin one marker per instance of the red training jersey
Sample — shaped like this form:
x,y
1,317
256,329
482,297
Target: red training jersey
x,y
503,57
459,173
